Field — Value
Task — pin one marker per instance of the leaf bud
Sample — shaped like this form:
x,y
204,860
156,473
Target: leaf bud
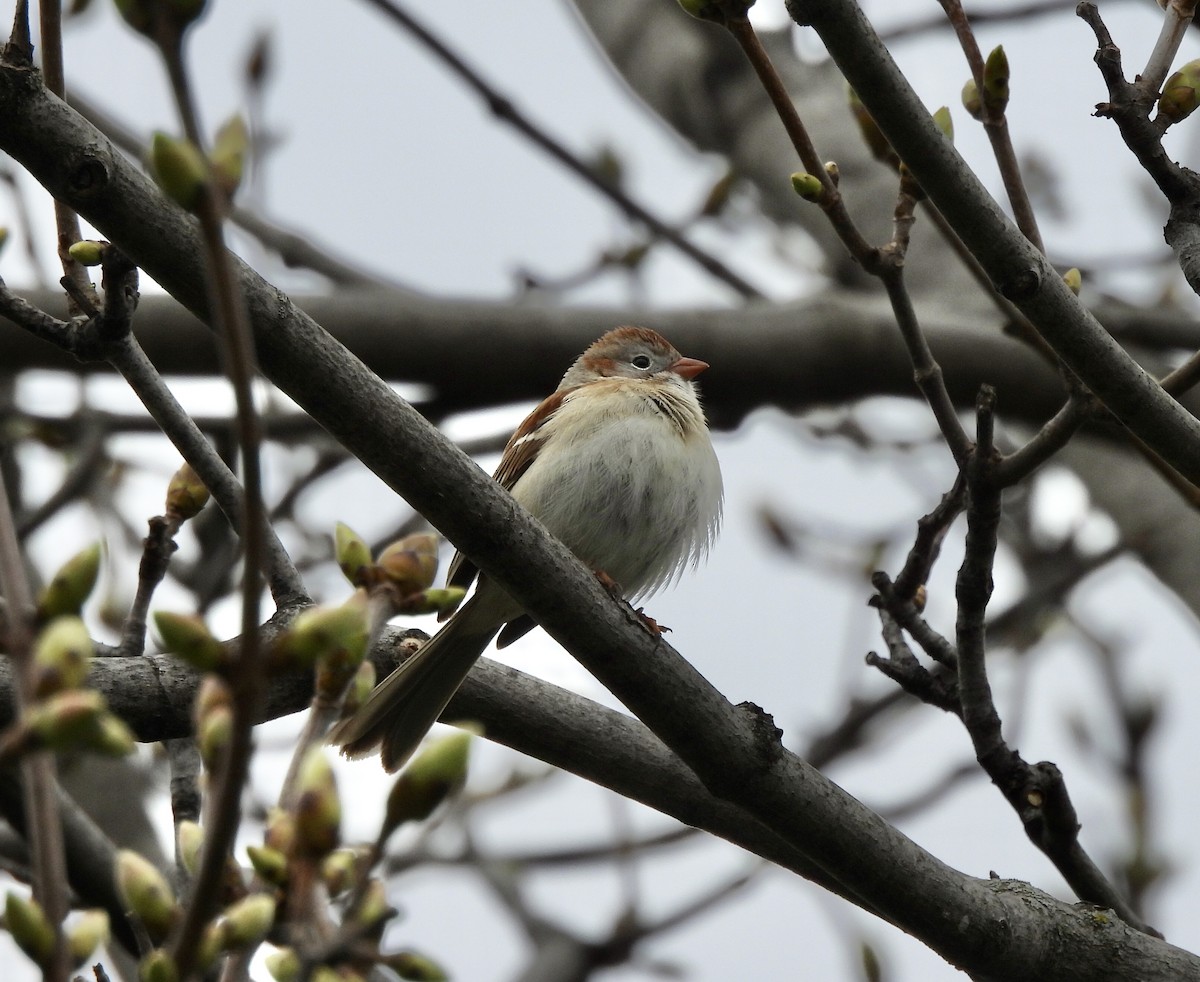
x,y
214,731
248,921
283,964
228,156
411,563
87,252
339,870
318,808
62,656
1074,280
415,967
271,865
212,694
995,81
112,738
435,600
186,494
340,632
158,966
971,100
179,168
945,123
66,719
280,832
373,907
359,689
434,774
352,553
808,186
70,587
29,927
1179,95
188,638
145,891
89,931
189,838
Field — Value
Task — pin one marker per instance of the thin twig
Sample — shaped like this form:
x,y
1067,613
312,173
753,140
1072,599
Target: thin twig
x,y
249,680
1177,17
995,125
65,220
506,111
43,828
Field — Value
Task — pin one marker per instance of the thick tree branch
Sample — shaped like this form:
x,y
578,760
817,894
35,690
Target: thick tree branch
x,y
734,751
1016,267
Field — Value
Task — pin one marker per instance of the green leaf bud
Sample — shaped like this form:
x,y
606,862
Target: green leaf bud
x,y
270,864
352,553
29,927
318,808
327,632
228,157
213,734
373,907
1074,280
995,81
280,832
190,839
90,930
415,967
248,921
945,123
66,719
62,656
158,966
283,964
87,252
1179,95
213,693
434,774
360,688
145,891
179,168
186,494
339,870
70,587
971,100
435,600
188,638
808,186
113,737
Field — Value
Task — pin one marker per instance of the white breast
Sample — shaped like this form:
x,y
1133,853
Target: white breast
x,y
619,483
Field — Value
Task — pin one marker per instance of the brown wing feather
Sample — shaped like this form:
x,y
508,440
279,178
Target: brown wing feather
x,y
518,454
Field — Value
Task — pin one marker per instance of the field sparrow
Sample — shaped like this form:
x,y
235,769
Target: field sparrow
x,y
617,464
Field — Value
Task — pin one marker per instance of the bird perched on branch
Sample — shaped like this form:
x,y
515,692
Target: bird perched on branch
x,y
617,463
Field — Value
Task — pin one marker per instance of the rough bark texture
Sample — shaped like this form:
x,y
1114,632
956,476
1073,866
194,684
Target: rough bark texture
x,y
992,929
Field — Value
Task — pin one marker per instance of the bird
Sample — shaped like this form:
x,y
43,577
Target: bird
x,y
618,464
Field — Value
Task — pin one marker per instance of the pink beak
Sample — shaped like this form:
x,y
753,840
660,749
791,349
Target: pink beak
x,y
688,368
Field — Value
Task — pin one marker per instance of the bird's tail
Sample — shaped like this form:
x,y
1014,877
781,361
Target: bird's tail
x,y
402,708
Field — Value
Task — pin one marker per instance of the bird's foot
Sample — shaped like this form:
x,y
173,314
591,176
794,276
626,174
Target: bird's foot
x,y
650,624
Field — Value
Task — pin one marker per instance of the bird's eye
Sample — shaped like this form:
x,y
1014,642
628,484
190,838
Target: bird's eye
x,y
640,361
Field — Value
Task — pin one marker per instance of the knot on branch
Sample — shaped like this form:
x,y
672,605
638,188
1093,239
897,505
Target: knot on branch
x,y
87,173
768,738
